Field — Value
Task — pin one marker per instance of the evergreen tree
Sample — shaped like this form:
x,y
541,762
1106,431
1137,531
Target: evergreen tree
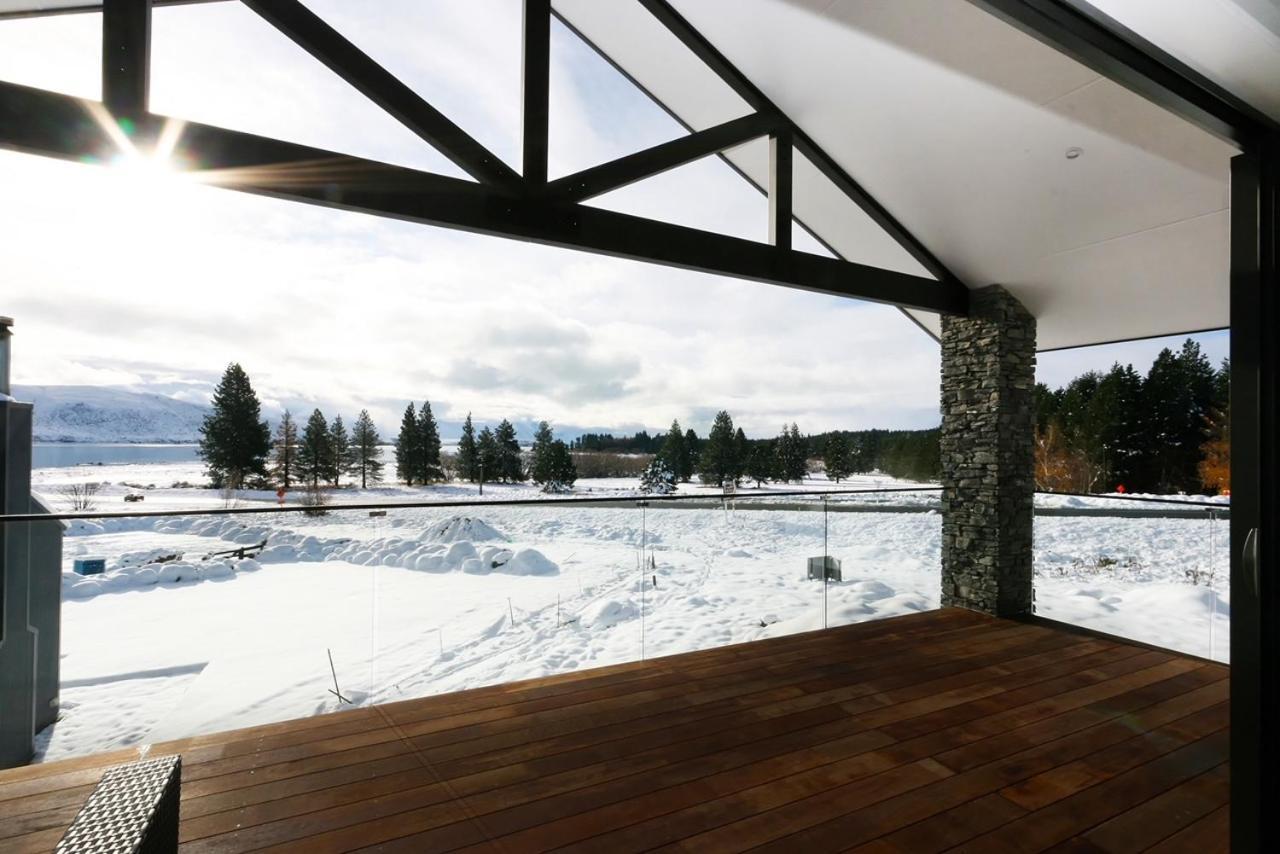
x,y
837,456
658,478
365,451
315,452
510,466
234,440
559,470
488,457
340,458
741,454
541,463
693,449
717,462
1178,395
284,451
427,460
407,453
468,460
762,465
1116,415
675,450
792,454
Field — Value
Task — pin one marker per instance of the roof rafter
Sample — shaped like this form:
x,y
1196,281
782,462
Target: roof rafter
x,y
749,92
316,37
52,124
618,173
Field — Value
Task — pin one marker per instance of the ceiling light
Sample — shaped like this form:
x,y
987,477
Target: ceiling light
x,y
1074,151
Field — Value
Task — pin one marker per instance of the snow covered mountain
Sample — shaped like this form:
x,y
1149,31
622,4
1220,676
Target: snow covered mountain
x,y
84,413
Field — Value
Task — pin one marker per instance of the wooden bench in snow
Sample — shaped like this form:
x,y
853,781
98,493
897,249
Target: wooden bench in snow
x,y
240,553
133,810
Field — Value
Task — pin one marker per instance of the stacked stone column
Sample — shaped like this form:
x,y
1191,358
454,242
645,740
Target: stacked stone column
x,y
988,455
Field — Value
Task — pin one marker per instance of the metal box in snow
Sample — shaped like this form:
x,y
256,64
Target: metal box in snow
x,y
833,568
90,565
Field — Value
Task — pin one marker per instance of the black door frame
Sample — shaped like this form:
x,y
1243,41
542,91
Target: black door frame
x,y
1255,497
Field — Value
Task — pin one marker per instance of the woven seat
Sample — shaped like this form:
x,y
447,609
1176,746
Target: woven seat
x,y
133,810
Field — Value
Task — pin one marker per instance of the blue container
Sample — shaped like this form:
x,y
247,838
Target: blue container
x,y
90,565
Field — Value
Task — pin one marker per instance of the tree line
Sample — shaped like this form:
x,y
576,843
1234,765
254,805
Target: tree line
x,y
240,450
1165,432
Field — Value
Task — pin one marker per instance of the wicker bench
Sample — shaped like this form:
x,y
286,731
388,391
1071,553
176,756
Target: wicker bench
x,y
133,810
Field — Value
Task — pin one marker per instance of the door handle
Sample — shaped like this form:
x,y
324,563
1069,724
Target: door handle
x,y
1249,560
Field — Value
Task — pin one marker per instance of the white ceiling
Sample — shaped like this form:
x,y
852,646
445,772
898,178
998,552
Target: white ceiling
x,y
959,124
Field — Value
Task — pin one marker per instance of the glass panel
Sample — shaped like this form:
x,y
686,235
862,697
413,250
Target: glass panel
x,y
221,64
889,549
197,624
1156,571
596,114
62,53
463,58
705,194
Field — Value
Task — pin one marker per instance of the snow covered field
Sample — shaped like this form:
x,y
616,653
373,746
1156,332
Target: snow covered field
x,y
420,602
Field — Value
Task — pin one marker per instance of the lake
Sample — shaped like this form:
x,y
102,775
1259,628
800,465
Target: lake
x,y
60,454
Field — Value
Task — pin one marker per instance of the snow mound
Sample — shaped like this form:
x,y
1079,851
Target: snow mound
x,y
606,613
459,528
530,562
737,553
176,573
217,569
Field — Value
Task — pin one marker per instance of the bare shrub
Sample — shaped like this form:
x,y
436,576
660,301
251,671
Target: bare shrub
x,y
81,496
592,464
316,498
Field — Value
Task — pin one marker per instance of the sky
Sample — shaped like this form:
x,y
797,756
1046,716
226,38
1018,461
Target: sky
x,y
135,279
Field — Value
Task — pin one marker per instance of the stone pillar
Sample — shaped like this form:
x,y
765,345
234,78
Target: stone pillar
x,y
988,454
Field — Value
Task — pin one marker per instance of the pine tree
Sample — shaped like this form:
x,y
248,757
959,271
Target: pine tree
x,y
510,466
234,440
762,465
675,450
741,454
407,447
315,452
693,449
658,478
1116,415
284,451
365,450
837,456
488,457
340,459
427,465
553,467
792,454
717,462
541,464
468,460
1178,395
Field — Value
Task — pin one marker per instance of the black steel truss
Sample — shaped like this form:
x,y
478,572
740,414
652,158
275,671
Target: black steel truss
x,y
502,202
47,123
312,34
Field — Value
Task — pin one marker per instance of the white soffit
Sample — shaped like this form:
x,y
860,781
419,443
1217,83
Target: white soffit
x,y
1235,43
959,125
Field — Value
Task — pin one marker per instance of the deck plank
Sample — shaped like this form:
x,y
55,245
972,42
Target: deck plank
x,y
936,731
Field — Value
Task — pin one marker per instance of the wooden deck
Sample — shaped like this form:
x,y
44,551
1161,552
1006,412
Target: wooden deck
x,y
939,731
